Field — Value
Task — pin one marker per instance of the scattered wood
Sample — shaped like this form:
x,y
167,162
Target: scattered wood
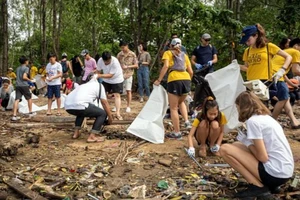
x,y
290,194
23,190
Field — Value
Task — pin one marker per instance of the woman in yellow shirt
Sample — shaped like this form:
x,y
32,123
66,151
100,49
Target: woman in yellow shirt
x,y
178,83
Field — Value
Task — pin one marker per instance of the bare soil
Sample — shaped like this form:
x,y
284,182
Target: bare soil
x,y
47,161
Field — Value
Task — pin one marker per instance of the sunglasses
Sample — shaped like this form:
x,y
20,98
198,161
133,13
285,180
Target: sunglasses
x,y
206,40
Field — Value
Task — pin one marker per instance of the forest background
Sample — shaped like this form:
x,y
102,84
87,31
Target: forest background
x,y
37,27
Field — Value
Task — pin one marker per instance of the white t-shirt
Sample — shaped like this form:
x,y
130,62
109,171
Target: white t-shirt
x,y
281,162
113,68
52,70
83,95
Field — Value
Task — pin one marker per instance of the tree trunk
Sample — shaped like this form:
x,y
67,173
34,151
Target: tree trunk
x,y
43,31
4,40
54,24
60,16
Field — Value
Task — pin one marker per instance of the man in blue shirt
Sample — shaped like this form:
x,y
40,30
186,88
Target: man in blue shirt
x,y
204,54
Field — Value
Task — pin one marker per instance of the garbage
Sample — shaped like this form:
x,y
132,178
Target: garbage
x,y
138,192
162,185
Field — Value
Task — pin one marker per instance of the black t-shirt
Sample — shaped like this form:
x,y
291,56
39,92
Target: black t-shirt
x,y
204,53
76,67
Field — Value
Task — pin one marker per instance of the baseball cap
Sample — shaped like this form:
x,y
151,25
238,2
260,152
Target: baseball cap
x,y
247,32
84,52
176,41
206,36
11,69
64,54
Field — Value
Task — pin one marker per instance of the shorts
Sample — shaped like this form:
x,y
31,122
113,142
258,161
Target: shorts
x,y
179,88
270,181
127,84
53,90
23,91
113,88
282,91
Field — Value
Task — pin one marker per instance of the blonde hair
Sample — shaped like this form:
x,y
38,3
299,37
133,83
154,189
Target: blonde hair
x,y
249,104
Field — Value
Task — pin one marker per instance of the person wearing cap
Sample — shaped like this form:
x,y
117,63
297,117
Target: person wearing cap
x,y
66,65
113,79
53,80
129,62
89,63
205,54
178,83
282,93
11,75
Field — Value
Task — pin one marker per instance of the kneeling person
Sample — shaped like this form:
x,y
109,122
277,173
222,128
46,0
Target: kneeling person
x,y
80,103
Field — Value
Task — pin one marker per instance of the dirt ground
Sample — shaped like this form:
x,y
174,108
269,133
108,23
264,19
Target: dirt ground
x,y
41,160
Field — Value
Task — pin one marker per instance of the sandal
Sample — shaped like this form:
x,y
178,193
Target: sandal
x,y
97,139
76,136
119,117
58,114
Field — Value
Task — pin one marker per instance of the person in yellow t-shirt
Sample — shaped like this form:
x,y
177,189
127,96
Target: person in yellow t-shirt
x,y
282,88
33,71
207,128
11,75
42,70
257,62
178,83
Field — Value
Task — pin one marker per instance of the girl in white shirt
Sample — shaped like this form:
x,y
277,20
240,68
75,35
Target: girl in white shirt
x,y
262,154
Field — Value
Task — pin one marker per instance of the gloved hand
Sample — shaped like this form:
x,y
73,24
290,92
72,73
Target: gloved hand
x,y
210,63
243,139
215,148
198,66
191,151
73,76
278,74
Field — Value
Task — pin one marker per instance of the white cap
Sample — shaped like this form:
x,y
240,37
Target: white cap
x,y
176,41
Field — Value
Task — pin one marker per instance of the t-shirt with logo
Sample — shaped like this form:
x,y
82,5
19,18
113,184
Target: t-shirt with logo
x,y
20,72
257,59
278,61
176,75
52,70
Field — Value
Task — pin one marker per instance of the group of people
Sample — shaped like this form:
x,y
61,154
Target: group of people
x,y
262,154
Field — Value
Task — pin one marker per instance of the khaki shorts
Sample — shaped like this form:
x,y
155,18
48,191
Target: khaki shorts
x,y
127,84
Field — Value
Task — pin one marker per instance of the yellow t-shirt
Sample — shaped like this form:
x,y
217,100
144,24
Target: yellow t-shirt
x,y
257,60
176,75
42,71
223,121
11,75
278,60
33,71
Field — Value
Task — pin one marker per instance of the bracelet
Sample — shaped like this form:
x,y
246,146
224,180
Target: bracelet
x,y
158,80
283,68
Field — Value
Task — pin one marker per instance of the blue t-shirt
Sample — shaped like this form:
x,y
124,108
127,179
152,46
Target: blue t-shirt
x,y
204,53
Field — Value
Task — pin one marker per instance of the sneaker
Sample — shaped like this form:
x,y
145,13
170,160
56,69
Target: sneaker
x,y
15,118
2,109
141,100
114,109
173,135
253,191
188,125
32,114
128,110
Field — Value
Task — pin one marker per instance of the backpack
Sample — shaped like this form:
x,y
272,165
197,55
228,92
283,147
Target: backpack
x,y
179,62
65,68
202,91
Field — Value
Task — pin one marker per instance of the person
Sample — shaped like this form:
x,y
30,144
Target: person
x,y
53,79
42,70
77,67
207,128
11,75
178,83
80,102
65,64
284,43
282,93
262,154
89,63
205,54
144,60
167,45
129,62
69,85
5,91
113,79
33,70
22,88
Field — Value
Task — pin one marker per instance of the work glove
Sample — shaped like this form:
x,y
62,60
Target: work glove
x,y
73,76
191,151
215,148
243,139
278,74
198,66
210,63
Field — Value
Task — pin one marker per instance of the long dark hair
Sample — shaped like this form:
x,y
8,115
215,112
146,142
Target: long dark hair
x,y
209,103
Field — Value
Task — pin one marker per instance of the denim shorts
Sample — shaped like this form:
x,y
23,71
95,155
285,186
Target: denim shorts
x,y
53,90
282,91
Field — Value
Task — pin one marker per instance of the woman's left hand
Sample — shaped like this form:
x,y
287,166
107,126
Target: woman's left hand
x,y
157,82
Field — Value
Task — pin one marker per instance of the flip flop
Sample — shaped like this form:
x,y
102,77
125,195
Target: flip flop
x,y
58,114
296,127
48,114
96,140
76,137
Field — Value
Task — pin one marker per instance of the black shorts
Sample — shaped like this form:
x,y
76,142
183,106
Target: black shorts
x,y
113,88
179,88
23,90
270,181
